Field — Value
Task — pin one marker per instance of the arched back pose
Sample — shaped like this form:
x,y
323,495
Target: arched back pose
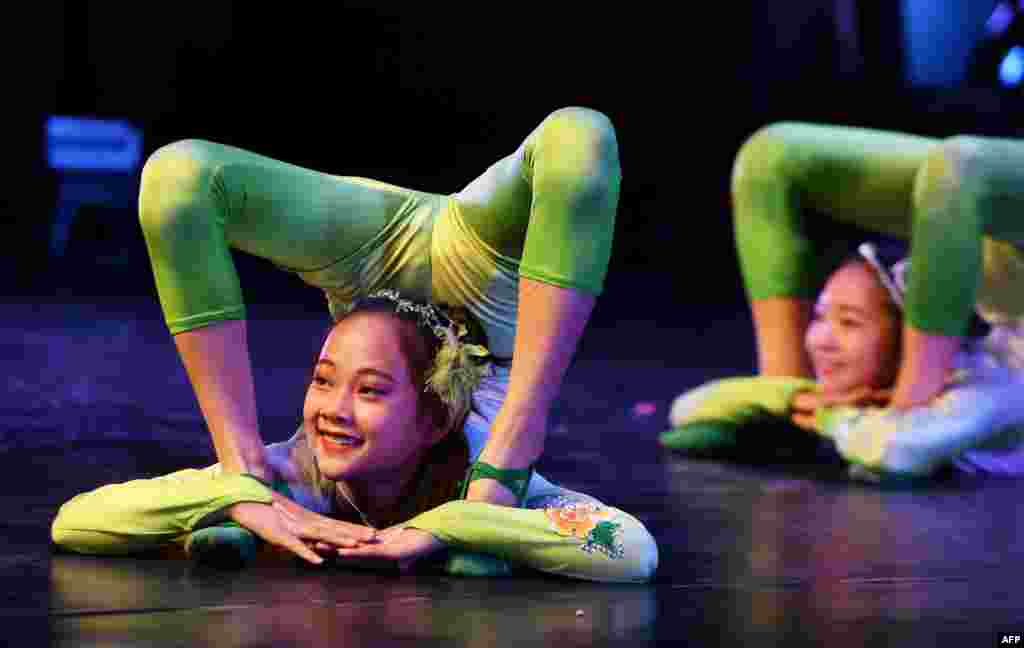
x,y
853,343
390,415
523,248
957,200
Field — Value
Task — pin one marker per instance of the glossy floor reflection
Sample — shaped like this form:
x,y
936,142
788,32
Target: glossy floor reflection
x,y
773,552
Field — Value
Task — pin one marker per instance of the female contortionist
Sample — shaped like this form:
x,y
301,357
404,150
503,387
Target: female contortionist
x,y
957,200
524,249
854,345
400,396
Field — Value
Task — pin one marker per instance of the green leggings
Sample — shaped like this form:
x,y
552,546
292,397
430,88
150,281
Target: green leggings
x,y
954,198
546,212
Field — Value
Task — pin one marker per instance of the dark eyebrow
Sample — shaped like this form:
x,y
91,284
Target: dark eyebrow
x,y
375,372
361,372
854,309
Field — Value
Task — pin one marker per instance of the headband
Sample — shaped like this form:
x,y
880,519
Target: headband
x,y
894,279
458,366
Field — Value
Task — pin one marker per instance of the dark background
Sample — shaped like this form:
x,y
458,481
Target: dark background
x,y
429,96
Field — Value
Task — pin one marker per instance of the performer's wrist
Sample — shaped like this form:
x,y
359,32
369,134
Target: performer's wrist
x,y
516,438
257,468
491,492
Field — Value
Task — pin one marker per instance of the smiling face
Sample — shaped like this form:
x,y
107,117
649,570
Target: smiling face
x,y
853,338
362,413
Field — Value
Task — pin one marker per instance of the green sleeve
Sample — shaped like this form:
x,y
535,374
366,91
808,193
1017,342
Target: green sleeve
x,y
575,539
976,411
738,400
710,417
149,513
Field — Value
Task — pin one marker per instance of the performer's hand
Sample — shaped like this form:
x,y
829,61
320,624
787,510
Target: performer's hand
x,y
268,523
324,533
395,544
860,397
805,404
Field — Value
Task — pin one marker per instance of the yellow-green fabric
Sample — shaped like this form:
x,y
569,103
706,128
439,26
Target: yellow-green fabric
x,y
145,514
979,413
546,212
577,539
958,200
738,400
562,533
978,419
711,416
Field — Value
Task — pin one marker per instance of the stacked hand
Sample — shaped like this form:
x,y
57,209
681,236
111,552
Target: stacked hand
x,y
312,536
805,404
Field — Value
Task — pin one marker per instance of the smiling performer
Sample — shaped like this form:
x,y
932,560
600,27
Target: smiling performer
x,y
400,397
524,248
957,201
853,341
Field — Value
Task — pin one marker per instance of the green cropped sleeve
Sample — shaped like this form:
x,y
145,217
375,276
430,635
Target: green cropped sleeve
x,y
146,514
578,539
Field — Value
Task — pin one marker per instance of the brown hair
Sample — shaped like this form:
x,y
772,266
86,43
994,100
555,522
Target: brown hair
x,y
444,464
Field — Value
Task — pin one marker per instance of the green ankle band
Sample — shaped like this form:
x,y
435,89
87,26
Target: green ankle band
x,y
516,480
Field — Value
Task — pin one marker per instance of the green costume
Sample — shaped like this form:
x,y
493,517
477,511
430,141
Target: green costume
x,y
546,212
959,201
977,423
559,532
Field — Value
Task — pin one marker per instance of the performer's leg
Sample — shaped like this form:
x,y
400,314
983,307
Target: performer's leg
x,y
968,188
198,199
863,177
553,201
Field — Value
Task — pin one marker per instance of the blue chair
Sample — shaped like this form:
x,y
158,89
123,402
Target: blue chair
x,y
97,163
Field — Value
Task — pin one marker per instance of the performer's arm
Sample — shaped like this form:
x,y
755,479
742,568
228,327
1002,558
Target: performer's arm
x,y
147,514
571,535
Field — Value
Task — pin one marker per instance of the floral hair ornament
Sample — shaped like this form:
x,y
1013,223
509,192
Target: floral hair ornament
x,y
894,279
458,366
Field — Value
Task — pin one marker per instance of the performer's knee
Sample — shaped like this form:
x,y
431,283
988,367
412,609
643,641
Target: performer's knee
x,y
175,178
592,127
950,175
764,158
580,150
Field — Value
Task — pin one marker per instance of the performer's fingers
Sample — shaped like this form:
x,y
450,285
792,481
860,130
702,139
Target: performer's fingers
x,y
375,551
806,421
313,522
299,548
321,529
324,549
805,401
